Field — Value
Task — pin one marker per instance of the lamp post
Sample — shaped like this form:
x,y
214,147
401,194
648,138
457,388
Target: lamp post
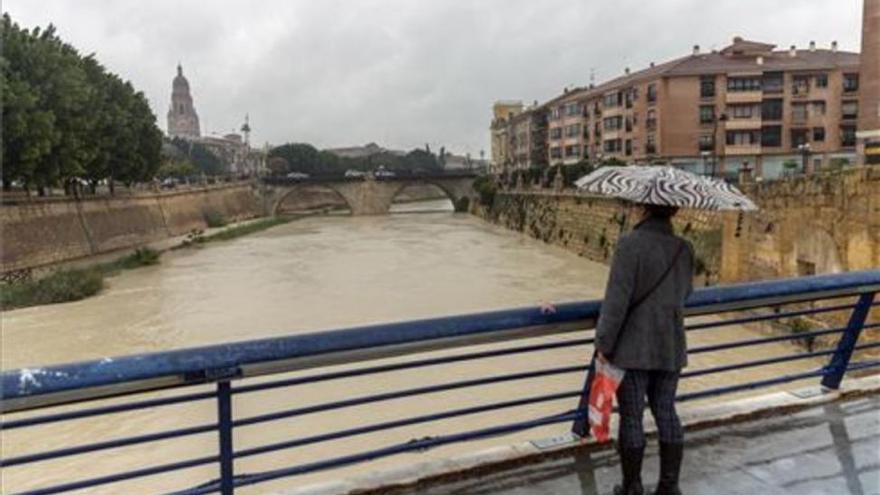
x,y
804,148
720,118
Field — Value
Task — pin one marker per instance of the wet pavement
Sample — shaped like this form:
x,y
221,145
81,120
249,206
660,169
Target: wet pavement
x,y
830,449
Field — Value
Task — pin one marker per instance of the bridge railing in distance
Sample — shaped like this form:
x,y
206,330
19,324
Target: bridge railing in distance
x,y
44,397
414,175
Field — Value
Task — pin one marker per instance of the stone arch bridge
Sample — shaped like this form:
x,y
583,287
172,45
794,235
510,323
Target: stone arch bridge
x,y
369,196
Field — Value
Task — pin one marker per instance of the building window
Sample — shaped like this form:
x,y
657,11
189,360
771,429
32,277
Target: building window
x,y
573,109
850,83
651,121
800,85
771,136
744,111
628,147
799,111
650,144
555,152
821,80
847,135
743,138
612,145
818,134
629,124
798,137
597,130
556,133
818,108
613,123
597,110
707,86
555,113
573,131
707,114
771,109
707,142
627,98
849,109
736,84
652,93
572,151
773,82
612,100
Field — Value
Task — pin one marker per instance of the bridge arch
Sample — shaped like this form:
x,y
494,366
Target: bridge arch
x,y
313,203
448,192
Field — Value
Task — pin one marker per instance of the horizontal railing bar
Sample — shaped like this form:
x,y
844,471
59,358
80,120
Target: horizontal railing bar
x,y
763,340
109,444
402,422
412,446
862,347
124,476
98,411
748,386
755,364
405,393
774,316
410,364
130,374
862,365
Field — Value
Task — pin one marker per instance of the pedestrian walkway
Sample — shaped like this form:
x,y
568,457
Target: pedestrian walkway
x,y
829,449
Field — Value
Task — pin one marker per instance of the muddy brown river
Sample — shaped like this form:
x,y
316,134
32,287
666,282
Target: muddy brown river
x,y
312,274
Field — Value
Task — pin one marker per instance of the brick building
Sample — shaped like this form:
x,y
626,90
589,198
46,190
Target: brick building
x,y
748,104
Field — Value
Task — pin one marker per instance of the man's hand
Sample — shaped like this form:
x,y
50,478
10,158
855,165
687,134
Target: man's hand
x,y
601,358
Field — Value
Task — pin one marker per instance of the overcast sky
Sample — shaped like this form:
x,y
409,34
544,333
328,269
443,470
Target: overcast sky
x,y
404,72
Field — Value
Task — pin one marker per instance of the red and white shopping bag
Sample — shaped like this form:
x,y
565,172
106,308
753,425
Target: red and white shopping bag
x,y
602,391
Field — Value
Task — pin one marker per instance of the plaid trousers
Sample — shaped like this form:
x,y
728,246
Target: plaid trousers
x,y
660,387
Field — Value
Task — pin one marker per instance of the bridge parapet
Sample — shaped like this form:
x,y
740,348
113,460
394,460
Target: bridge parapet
x,y
370,195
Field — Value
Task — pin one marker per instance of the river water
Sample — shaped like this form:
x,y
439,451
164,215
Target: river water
x,y
312,274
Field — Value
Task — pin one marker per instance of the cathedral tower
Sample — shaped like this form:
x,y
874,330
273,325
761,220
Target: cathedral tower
x,y
183,121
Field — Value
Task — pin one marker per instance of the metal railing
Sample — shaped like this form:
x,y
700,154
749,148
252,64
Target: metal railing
x,y
225,367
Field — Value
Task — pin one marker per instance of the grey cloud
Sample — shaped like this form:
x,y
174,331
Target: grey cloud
x,y
404,72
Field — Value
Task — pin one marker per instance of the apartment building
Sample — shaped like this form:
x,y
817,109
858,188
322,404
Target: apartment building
x,y
747,105
503,113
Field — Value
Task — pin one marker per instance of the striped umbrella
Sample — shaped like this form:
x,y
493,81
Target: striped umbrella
x,y
665,186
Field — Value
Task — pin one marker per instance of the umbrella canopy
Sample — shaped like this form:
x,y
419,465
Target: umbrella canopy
x,y
665,186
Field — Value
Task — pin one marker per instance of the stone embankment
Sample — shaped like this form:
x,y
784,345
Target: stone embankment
x,y
48,231
590,226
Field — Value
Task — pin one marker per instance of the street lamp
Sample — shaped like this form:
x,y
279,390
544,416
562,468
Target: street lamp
x,y
804,148
721,118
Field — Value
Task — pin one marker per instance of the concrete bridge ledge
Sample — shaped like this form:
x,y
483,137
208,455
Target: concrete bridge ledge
x,y
693,418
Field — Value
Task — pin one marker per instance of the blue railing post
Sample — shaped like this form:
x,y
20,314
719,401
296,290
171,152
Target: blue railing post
x,y
224,429
840,359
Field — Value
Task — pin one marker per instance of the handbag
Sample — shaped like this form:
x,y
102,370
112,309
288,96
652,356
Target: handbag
x,y
581,425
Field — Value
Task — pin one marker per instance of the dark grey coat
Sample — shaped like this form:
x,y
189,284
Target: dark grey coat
x,y
654,335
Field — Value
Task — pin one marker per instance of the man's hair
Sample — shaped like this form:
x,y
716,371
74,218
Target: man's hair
x,y
661,211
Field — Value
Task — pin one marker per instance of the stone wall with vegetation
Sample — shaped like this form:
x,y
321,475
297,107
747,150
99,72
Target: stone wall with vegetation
x,y
43,232
590,226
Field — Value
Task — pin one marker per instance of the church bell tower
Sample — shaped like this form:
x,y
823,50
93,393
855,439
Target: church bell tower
x,y
183,121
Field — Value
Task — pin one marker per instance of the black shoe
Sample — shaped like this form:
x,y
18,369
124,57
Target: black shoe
x,y
670,467
631,466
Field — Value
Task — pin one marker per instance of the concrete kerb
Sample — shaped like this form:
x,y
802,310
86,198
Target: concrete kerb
x,y
504,457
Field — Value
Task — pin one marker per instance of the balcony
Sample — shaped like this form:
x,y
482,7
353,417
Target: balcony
x,y
742,149
741,124
755,96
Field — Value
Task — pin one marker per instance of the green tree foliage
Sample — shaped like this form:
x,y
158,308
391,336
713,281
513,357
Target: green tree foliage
x,y
65,117
204,161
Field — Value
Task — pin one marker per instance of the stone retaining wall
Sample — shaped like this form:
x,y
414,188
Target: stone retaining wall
x,y
44,232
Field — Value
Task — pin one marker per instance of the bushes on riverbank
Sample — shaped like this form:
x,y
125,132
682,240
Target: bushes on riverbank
x,y
61,286
197,236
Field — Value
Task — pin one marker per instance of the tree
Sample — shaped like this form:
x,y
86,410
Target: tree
x,y
65,117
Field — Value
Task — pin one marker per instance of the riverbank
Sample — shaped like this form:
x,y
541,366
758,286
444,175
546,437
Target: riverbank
x,y
86,278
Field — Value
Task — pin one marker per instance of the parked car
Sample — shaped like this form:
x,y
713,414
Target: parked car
x,y
169,183
382,172
355,173
297,176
